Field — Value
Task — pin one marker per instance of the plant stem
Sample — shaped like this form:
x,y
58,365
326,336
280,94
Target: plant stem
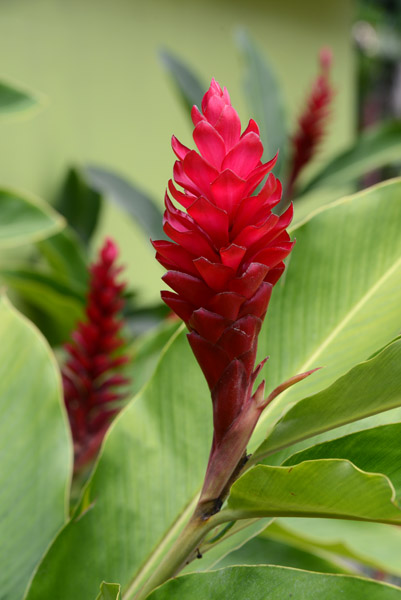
x,y
179,554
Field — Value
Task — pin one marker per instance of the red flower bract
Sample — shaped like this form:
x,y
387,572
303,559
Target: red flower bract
x,y
312,122
227,250
90,379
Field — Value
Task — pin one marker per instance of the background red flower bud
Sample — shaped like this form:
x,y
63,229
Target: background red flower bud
x,y
312,122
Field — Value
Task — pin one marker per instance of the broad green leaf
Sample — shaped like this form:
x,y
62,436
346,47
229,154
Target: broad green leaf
x,y
16,101
369,388
265,100
80,204
375,450
142,490
375,545
59,305
109,591
375,148
190,89
35,451
319,488
129,198
272,583
339,299
66,257
264,551
25,219
145,353
317,200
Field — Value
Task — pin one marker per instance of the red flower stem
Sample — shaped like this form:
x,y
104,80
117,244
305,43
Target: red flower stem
x,y
226,462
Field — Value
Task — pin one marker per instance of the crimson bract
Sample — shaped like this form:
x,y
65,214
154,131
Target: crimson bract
x,y
226,254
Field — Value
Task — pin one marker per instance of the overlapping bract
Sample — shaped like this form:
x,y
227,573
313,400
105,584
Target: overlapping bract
x,y
227,250
90,378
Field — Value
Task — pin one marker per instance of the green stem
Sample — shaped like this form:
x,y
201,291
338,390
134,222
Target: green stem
x,y
179,554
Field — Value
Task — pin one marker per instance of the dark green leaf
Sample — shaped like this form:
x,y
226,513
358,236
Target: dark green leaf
x,y
265,99
59,304
190,89
16,101
265,551
128,197
80,204
142,319
66,257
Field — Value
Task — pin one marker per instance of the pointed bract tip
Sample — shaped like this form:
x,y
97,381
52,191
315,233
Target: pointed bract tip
x,y
326,58
287,384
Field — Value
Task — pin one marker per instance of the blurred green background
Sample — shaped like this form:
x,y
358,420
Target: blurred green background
x,y
110,101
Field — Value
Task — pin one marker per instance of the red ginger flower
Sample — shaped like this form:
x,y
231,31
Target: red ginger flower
x,y
313,121
227,253
89,375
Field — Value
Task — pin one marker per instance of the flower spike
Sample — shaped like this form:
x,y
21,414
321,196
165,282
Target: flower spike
x,y
90,375
225,257
312,123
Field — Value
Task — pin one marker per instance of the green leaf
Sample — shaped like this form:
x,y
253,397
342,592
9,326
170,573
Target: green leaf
x,y
35,451
141,319
265,551
375,148
128,197
272,583
339,298
369,388
16,101
146,351
265,100
25,219
319,488
189,87
65,256
59,303
375,545
375,450
142,490
109,591
80,204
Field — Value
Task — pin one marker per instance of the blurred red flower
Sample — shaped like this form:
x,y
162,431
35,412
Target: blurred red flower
x,y
312,123
90,375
